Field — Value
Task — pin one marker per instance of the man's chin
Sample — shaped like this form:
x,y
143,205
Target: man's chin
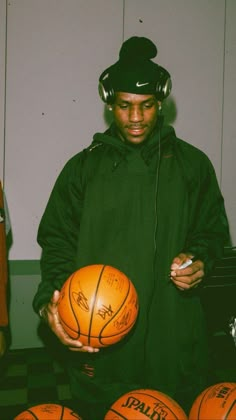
x,y
135,141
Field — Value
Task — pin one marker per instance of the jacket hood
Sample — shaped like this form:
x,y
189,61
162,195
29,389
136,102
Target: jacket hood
x,y
163,134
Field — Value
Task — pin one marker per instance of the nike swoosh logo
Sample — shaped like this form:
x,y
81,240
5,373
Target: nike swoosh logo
x,y
138,84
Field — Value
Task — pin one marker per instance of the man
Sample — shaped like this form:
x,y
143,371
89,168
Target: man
x,y
145,202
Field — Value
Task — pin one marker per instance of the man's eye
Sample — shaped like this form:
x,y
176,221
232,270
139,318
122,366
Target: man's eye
x,y
148,105
123,106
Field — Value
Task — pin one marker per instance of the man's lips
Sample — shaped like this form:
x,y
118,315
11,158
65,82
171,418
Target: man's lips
x,y
136,129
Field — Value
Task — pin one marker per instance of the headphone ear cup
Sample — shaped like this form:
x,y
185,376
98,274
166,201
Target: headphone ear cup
x,y
105,89
164,84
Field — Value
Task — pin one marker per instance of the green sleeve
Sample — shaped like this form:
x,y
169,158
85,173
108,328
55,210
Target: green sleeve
x,y
209,232
59,230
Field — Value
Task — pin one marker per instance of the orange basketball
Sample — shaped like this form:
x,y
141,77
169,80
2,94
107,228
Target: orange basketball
x,y
218,402
98,305
48,412
145,404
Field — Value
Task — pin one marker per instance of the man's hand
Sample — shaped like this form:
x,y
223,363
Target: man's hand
x,y
50,314
189,277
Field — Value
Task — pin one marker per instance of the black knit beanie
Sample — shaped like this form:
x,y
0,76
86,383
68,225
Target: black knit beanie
x,y
135,72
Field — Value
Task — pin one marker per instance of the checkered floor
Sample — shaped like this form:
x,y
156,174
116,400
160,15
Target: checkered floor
x,y
30,377
34,376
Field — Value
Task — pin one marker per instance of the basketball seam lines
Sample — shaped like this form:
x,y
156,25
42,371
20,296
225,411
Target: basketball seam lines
x,y
95,297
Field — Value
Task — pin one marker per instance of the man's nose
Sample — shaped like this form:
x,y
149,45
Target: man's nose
x,y
136,114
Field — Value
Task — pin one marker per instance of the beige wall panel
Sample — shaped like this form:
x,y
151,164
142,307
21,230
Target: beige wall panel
x,y
56,52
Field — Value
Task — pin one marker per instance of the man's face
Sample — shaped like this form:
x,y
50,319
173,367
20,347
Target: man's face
x,y
135,116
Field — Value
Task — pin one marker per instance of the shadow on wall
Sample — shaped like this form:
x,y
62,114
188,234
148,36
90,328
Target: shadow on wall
x,y
169,111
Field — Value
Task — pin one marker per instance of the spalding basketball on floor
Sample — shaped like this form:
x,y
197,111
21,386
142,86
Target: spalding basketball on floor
x,y
98,305
218,402
48,412
145,404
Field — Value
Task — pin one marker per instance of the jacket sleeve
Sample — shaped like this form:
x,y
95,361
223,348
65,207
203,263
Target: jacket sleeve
x,y
59,231
209,229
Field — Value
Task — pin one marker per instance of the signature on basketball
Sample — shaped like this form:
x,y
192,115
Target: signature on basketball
x,y
81,300
105,311
123,320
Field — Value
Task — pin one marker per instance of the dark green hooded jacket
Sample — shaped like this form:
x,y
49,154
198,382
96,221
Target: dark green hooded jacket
x,y
136,208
